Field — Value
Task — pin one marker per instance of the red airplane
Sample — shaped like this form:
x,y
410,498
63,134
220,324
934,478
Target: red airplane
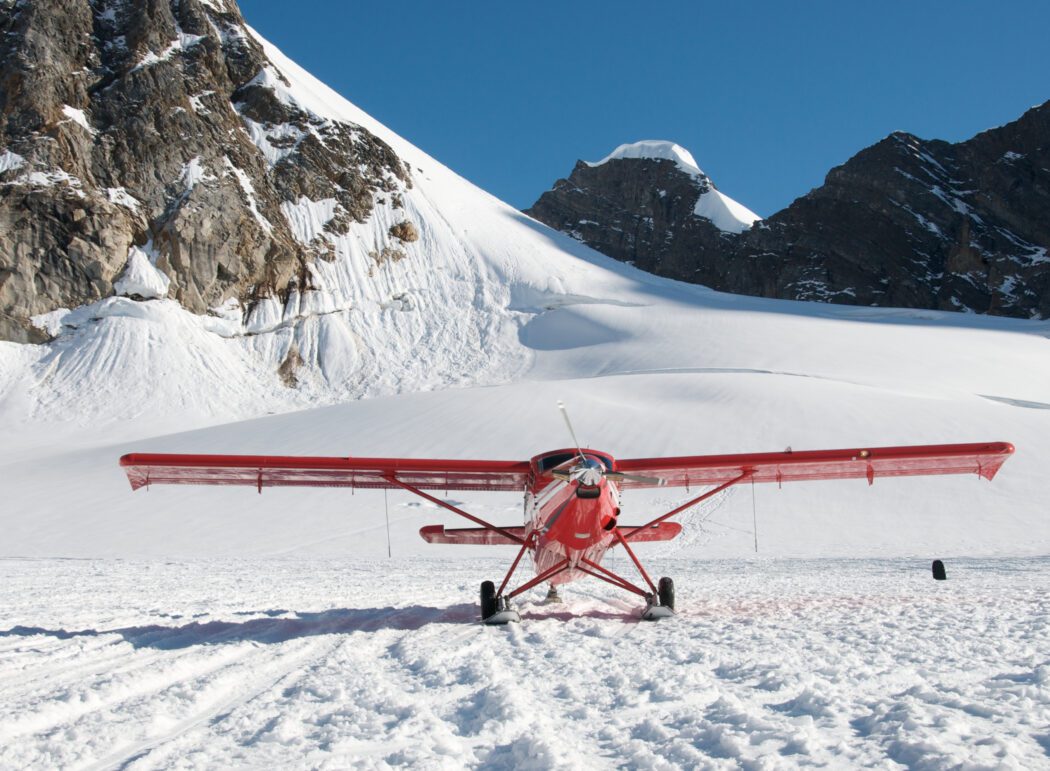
x,y
572,497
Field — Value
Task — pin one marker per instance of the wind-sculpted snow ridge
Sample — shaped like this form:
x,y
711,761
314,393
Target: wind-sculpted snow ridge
x,y
289,664
657,149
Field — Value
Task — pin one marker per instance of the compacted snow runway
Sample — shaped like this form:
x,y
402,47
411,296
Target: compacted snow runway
x,y
306,663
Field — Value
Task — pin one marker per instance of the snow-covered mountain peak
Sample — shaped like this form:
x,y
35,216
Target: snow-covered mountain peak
x,y
655,149
726,214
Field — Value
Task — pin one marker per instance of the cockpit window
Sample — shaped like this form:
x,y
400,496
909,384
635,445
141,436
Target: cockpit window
x,y
553,461
607,462
557,459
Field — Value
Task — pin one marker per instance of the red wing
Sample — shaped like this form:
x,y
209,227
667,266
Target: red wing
x,y
664,531
472,536
481,536
701,470
274,471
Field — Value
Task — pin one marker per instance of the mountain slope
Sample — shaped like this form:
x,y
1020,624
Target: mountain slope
x,y
155,125
648,203
486,296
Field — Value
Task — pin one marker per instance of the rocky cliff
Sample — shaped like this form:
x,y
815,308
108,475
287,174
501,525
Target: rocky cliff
x,y
907,222
158,131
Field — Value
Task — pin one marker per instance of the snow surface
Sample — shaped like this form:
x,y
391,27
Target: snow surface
x,y
183,42
249,192
141,277
122,197
655,149
308,218
197,102
218,627
727,215
263,134
78,117
10,160
49,179
322,664
193,173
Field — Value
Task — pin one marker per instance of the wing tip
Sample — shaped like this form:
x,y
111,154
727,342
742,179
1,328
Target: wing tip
x,y
128,459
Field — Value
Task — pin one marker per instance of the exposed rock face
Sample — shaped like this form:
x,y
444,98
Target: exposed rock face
x,y
906,222
640,210
160,124
405,231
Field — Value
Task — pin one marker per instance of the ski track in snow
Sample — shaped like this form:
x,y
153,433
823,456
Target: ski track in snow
x,y
312,663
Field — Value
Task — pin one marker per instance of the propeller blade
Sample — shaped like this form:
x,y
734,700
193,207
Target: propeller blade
x,y
568,423
617,476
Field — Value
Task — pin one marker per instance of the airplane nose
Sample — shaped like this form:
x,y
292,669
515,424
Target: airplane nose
x,y
591,477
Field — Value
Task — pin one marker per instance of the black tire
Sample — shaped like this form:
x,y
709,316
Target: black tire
x,y
667,593
488,599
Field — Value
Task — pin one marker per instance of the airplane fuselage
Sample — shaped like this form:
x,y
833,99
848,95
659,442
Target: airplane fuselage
x,y
571,519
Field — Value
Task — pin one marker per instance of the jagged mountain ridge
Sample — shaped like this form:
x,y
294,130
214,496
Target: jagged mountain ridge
x,y
904,223
156,124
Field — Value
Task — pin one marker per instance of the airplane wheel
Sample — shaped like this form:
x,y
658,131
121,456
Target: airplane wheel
x,y
666,591
488,599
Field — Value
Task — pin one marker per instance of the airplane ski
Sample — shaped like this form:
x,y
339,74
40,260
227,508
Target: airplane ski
x,y
656,612
501,617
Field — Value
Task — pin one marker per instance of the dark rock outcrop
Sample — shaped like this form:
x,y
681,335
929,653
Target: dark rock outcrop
x,y
639,211
907,222
160,122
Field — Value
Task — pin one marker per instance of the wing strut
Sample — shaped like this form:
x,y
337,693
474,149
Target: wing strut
x,y
514,566
688,504
597,571
630,553
477,520
546,575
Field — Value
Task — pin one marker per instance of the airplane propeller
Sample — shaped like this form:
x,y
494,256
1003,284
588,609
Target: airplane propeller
x,y
568,424
617,476
590,471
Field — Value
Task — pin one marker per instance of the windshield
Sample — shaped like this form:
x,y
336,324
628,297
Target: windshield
x,y
547,462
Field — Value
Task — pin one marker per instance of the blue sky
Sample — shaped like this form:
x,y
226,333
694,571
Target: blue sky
x,y
768,96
